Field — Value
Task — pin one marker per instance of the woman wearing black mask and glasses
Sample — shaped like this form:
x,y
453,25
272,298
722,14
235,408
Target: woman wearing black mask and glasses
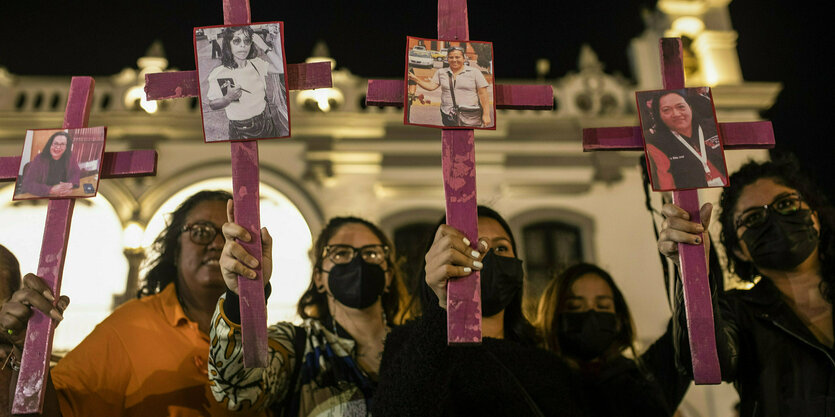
x,y
504,376
329,364
775,341
583,317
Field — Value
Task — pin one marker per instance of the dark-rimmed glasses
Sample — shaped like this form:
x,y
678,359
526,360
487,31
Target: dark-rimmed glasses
x,y
755,216
343,254
202,233
237,41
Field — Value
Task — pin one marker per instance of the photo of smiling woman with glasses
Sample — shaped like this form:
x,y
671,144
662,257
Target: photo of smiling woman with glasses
x,y
329,364
775,341
246,83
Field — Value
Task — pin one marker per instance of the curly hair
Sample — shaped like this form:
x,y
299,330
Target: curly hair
x,y
226,58
314,304
553,301
167,245
785,171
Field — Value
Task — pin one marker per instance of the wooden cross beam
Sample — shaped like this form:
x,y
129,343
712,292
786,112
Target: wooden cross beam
x,y
29,392
693,263
458,166
245,179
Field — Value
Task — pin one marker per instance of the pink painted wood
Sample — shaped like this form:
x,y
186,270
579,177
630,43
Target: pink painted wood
x,y
168,85
458,164
508,96
29,390
698,306
693,262
114,165
458,161
736,135
245,183
463,294
31,382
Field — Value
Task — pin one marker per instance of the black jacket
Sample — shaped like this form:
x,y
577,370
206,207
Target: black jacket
x,y
621,389
777,365
421,376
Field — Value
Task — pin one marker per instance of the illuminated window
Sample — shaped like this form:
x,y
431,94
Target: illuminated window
x,y
291,243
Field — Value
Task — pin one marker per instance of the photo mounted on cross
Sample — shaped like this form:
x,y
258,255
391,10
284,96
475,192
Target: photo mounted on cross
x,y
243,86
449,84
60,163
682,142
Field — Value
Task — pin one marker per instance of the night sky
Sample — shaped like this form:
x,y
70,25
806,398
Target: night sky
x,y
779,40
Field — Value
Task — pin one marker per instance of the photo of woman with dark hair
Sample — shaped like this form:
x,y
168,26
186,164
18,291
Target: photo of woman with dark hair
x,y
683,146
244,84
53,172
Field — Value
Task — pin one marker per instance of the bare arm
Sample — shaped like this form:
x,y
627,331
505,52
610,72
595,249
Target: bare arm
x,y
426,85
484,100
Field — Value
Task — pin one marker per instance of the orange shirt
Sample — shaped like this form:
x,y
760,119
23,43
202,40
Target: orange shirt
x,y
145,359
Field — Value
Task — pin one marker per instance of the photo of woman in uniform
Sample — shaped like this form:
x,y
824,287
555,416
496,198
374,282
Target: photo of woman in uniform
x,y
683,147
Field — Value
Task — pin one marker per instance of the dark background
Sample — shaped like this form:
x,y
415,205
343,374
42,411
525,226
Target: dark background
x,y
779,40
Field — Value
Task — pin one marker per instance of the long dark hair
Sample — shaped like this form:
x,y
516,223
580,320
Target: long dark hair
x,y
167,244
314,304
553,303
516,326
226,58
784,171
65,157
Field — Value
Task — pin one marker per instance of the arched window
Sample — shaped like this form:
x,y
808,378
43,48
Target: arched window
x,y
549,240
291,243
95,268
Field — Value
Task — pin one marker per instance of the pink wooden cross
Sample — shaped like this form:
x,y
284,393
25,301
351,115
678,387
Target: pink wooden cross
x,y
29,393
245,180
697,303
458,165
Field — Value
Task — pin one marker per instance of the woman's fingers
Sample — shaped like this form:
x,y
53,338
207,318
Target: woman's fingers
x,y
677,223
235,259
230,211
233,231
266,254
672,210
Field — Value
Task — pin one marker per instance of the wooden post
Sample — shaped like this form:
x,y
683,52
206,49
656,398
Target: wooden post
x,y
29,392
245,179
693,263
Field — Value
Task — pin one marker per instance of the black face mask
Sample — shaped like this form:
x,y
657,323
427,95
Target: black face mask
x,y
586,335
783,242
357,284
501,280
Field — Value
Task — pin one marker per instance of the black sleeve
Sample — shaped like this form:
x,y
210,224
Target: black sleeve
x,y
232,305
725,326
415,372
660,361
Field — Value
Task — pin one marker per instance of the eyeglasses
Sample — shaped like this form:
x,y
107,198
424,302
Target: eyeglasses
x,y
343,254
202,233
59,145
755,216
237,41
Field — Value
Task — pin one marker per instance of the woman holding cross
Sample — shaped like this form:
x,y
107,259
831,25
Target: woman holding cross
x,y
775,341
329,364
148,358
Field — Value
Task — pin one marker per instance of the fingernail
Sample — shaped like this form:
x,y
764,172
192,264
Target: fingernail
x,y
478,264
252,274
55,314
467,241
697,240
475,254
467,269
482,244
700,228
253,263
48,295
